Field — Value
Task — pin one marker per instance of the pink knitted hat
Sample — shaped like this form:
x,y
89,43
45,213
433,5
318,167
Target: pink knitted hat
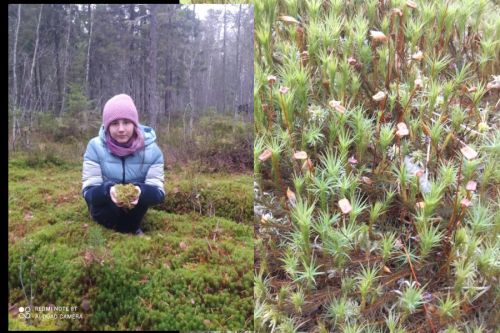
x,y
119,107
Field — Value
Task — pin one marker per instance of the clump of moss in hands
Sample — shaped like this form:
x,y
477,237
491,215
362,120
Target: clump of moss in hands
x,y
126,194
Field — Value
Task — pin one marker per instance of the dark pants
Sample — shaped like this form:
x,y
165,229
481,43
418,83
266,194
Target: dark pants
x,y
120,219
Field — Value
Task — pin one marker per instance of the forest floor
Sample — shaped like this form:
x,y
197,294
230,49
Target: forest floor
x,y
191,271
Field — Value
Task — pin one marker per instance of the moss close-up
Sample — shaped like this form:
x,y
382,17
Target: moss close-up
x,y
376,153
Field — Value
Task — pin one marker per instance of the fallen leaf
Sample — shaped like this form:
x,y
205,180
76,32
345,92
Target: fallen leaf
x,y
397,11
378,97
417,55
284,90
300,155
411,4
402,130
465,203
398,244
265,155
308,165
291,196
420,204
337,106
493,85
345,206
468,152
367,180
288,19
471,185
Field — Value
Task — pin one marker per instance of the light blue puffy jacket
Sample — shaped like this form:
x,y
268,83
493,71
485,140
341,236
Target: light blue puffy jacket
x,y
143,168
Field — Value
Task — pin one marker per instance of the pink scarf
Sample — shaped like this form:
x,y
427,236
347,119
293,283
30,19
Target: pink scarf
x,y
123,149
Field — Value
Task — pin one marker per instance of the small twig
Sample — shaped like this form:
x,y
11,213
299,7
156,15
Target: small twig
x,y
209,247
270,109
389,67
216,230
427,157
461,125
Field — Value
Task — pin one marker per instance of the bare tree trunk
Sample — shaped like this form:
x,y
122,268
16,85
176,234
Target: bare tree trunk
x,y
29,84
87,70
168,80
238,72
15,126
143,85
209,77
191,82
131,76
167,110
224,66
65,62
57,105
33,62
153,73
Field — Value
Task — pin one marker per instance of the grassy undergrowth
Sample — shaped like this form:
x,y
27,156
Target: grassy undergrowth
x,y
191,271
376,159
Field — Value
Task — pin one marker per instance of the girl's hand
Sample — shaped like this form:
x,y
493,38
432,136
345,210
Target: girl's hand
x,y
112,194
136,201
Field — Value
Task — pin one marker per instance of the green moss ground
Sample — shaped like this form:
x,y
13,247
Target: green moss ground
x,y
230,196
192,270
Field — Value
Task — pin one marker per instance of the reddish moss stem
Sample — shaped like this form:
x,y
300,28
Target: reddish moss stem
x,y
426,311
